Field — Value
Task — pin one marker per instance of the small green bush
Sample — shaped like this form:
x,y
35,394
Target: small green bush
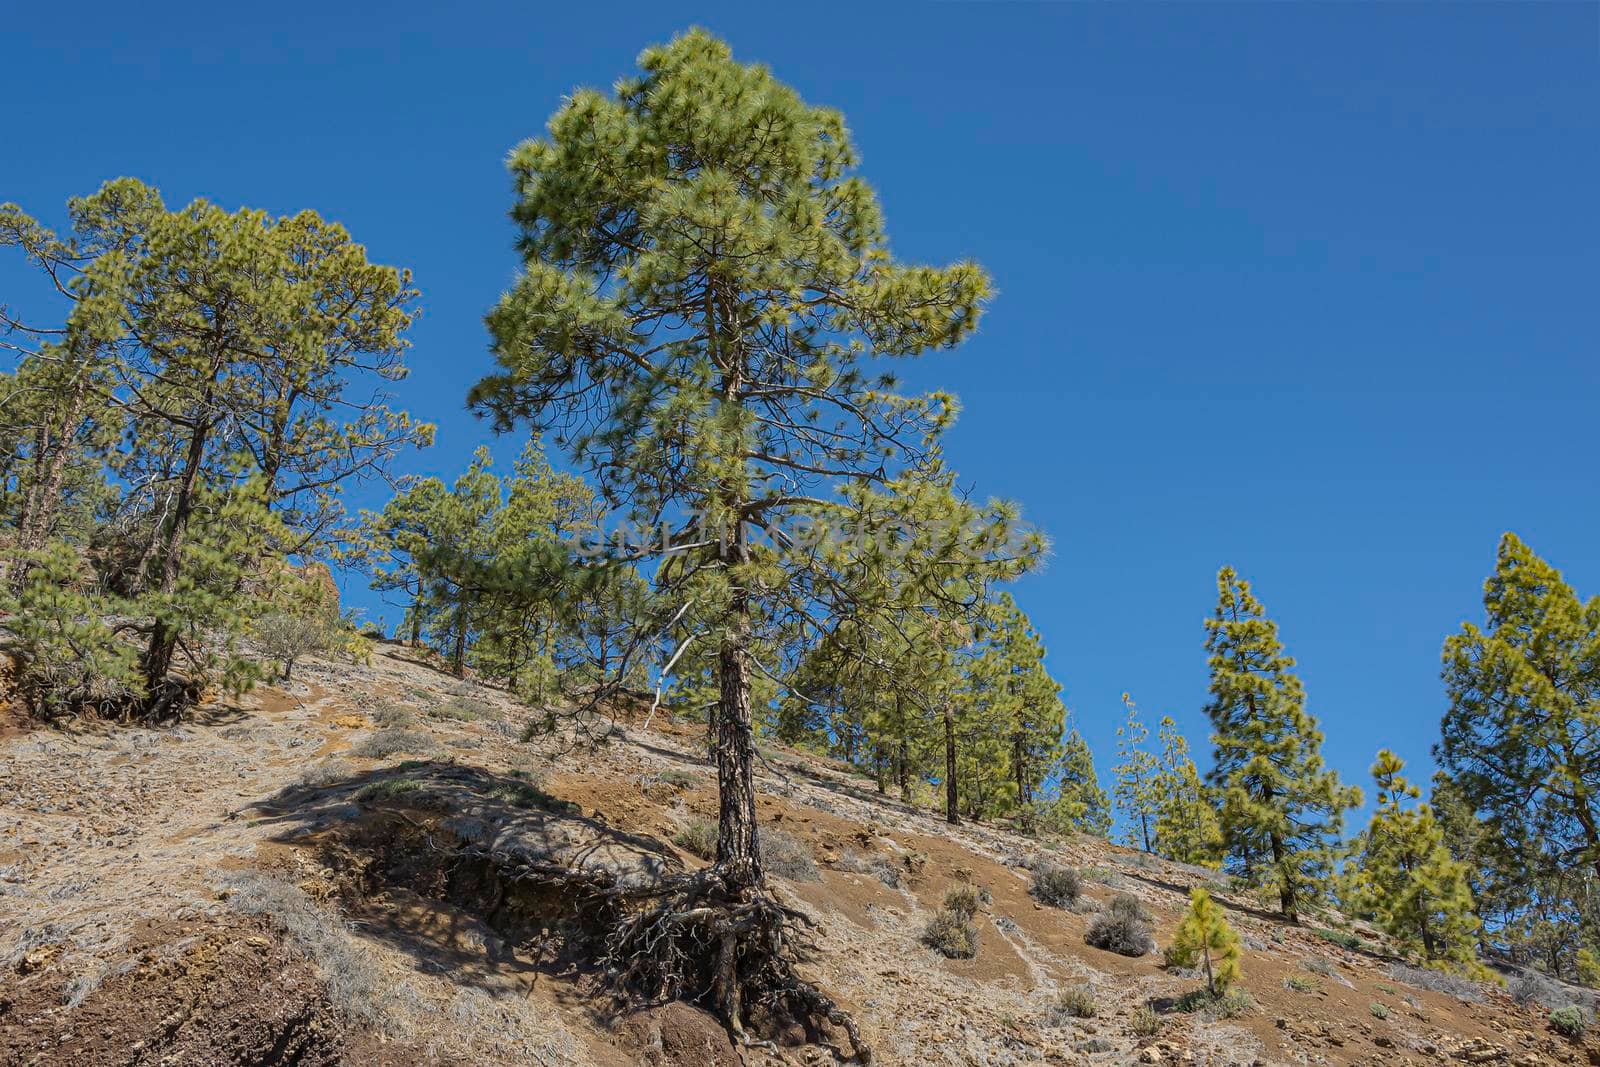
x,y
1145,1022
965,899
1233,1003
1379,1011
1339,937
699,838
1302,984
388,789
1076,1003
463,709
1569,1022
1056,885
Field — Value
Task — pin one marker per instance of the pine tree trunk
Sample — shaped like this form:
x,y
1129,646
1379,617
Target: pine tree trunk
x,y
1286,889
458,659
163,638
735,754
951,815
902,770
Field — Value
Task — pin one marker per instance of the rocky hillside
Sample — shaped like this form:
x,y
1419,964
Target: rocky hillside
x,y
299,878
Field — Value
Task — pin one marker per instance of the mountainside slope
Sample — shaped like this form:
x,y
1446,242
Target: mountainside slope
x,y
327,874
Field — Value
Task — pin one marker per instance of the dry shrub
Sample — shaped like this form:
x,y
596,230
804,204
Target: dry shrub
x,y
965,899
464,709
880,867
1076,1002
1464,989
394,742
392,716
355,982
1056,885
787,856
952,933
1124,928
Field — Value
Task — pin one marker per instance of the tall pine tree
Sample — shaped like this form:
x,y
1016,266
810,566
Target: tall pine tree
x,y
1521,744
1282,807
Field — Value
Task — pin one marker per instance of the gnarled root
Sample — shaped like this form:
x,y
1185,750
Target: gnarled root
x,y
699,936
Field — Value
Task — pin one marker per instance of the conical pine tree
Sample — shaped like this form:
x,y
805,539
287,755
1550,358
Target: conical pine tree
x,y
1418,892
1204,937
1282,807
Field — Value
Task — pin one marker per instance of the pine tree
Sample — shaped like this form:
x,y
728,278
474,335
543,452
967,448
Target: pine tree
x,y
1204,936
1137,779
1417,890
707,195
1187,829
1521,745
1079,804
1281,806
211,362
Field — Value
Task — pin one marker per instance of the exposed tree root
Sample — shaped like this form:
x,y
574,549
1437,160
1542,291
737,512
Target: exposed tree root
x,y
697,936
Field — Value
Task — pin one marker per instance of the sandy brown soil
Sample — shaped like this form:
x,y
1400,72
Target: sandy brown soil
x,y
244,888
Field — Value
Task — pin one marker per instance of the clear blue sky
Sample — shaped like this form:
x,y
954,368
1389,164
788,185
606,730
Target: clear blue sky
x,y
1307,289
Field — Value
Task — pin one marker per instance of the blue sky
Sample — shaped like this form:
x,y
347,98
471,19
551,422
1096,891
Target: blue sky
x,y
1307,289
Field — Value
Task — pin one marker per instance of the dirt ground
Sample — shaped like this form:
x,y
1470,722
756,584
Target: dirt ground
x,y
259,886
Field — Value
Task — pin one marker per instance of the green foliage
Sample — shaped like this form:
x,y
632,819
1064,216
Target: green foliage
x,y
189,425
1301,984
707,195
699,837
1379,1011
1080,805
1520,743
1569,1022
70,658
1138,780
1405,874
1187,829
1282,807
1204,937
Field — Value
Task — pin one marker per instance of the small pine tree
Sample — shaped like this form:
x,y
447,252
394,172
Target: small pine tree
x,y
1186,821
1205,936
1416,890
1137,779
1282,807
